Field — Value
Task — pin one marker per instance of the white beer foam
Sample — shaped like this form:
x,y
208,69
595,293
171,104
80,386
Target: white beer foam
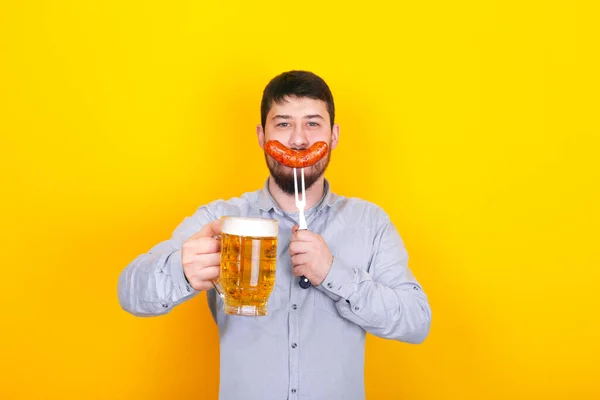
x,y
256,227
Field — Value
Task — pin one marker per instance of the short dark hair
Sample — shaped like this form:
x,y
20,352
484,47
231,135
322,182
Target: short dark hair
x,y
298,84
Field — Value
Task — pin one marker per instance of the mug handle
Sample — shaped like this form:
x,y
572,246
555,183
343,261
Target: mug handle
x,y
219,290
216,283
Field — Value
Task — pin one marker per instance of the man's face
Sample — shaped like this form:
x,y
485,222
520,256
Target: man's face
x,y
298,123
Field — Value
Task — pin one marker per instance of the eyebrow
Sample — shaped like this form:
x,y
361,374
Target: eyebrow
x,y
313,116
310,116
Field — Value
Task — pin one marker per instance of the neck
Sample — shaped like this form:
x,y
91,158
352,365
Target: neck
x,y
287,202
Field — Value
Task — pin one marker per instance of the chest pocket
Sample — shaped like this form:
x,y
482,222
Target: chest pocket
x,y
352,245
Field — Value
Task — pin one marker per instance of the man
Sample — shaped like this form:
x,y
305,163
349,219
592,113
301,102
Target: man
x,y
311,343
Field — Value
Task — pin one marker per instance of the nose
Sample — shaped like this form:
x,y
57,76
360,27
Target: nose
x,y
298,139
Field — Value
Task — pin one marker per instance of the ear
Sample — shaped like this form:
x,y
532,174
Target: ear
x,y
260,134
335,136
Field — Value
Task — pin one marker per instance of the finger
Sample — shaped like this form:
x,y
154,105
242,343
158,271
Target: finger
x,y
202,261
295,228
297,247
197,275
304,235
199,261
208,273
211,229
300,259
299,270
202,245
199,284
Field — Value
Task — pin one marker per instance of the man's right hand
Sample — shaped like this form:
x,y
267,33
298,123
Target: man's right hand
x,y
201,256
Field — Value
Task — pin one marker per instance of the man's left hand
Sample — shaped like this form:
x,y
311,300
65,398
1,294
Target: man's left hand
x,y
310,254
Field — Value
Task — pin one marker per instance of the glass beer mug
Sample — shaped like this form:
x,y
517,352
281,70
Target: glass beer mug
x,y
248,261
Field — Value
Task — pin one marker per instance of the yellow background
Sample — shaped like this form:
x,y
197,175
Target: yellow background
x,y
474,124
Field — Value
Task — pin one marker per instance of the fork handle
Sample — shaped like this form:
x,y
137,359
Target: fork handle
x,y
304,282
302,222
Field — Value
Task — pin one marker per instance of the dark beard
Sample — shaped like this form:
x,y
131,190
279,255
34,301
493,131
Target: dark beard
x,y
286,183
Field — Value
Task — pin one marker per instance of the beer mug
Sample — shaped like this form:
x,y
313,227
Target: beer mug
x,y
248,261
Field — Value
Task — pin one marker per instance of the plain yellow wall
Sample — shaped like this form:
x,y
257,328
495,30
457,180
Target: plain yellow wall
x,y
474,124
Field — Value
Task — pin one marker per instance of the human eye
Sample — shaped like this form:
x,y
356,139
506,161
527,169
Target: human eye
x,y
313,124
283,124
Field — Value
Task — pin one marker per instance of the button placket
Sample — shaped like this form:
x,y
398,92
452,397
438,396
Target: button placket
x,y
294,326
298,297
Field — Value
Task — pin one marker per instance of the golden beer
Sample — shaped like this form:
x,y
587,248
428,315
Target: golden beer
x,y
248,261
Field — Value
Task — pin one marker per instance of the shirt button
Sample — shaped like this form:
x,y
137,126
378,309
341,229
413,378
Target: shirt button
x,y
294,307
293,390
356,308
165,305
329,285
294,345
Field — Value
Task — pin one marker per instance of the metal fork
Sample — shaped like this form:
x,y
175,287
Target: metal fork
x,y
300,205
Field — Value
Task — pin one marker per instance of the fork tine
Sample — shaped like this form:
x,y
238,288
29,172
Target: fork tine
x,y
303,190
296,187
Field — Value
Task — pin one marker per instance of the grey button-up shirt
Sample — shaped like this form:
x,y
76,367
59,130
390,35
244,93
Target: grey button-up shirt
x,y
311,343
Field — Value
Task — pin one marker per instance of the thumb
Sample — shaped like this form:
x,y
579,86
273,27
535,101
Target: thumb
x,y
211,229
295,228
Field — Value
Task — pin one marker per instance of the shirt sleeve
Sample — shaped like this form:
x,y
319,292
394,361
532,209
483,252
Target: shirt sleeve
x,y
385,299
153,283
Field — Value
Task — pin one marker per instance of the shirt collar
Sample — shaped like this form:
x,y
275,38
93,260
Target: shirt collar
x,y
267,203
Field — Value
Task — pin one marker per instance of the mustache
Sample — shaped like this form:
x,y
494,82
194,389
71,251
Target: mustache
x,y
284,178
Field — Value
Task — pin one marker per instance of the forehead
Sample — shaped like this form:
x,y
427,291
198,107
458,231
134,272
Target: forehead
x,y
298,107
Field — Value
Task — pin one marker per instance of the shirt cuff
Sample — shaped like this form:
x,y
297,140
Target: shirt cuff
x,y
180,282
339,282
